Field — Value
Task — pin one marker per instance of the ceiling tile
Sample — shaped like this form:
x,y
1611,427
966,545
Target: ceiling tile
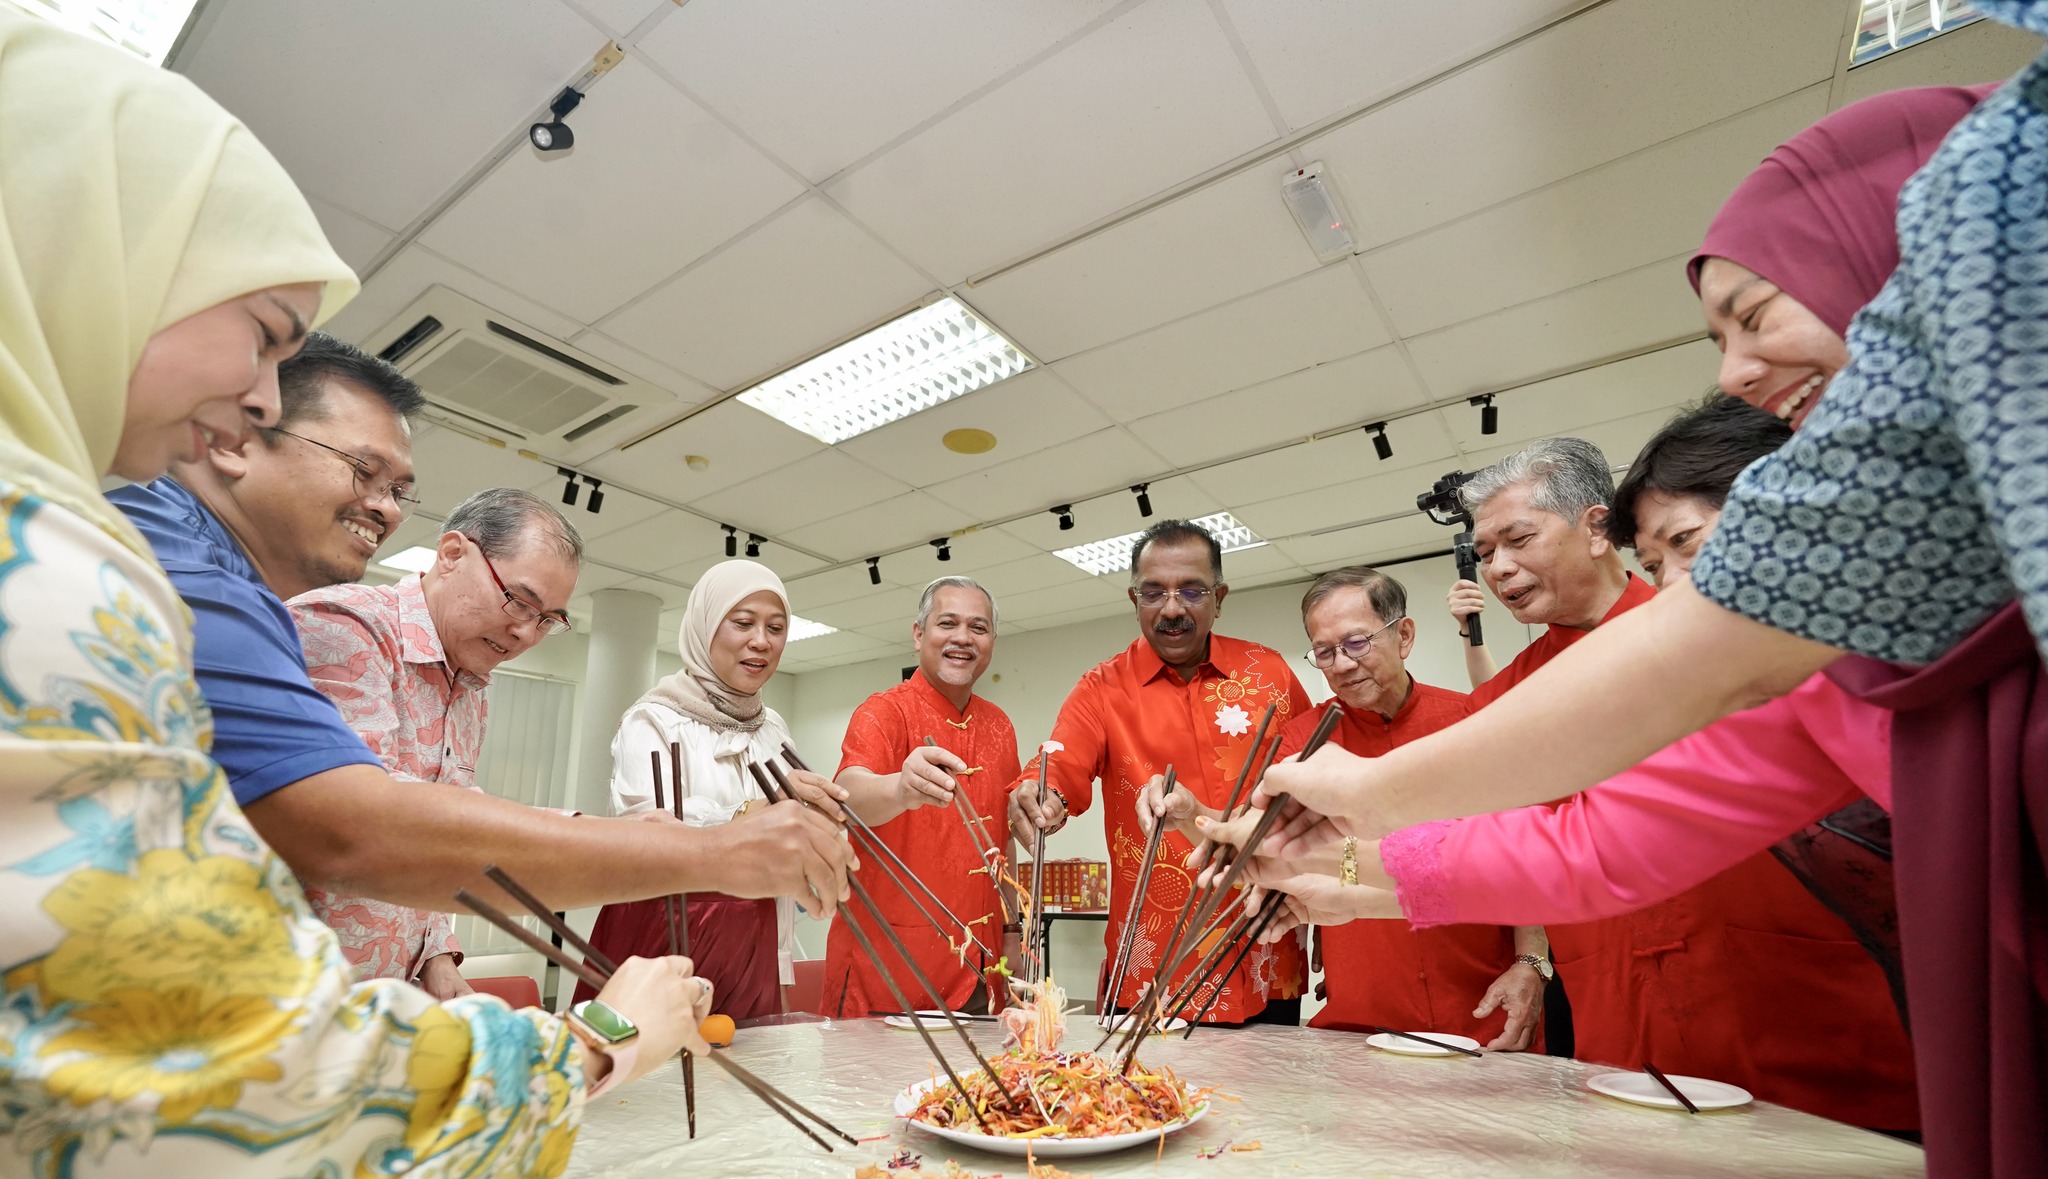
x,y
802,281
885,527
1417,441
451,467
784,562
823,85
1230,238
1604,222
878,606
1658,380
621,17
1265,565
1325,397
1618,438
659,542
1093,593
1115,514
1319,317
1575,97
1070,617
834,585
689,392
621,509
810,489
1051,476
738,441
408,275
382,107
978,548
845,643
653,183
1649,305
355,239
1406,536
1375,495
1146,101
1026,413
1022,576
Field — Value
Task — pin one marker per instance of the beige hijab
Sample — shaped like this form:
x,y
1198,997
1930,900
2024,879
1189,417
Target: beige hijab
x,y
696,691
129,200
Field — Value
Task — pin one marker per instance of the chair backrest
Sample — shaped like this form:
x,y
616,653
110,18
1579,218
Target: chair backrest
x,y
807,993
518,990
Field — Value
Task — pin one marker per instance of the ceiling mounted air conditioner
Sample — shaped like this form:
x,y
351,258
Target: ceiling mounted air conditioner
x,y
490,372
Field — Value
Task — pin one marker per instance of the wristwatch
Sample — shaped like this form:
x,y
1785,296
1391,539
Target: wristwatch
x,y
604,1030
1541,965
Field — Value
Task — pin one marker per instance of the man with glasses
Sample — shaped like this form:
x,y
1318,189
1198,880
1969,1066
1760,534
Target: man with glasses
x,y
1383,973
303,506
1179,696
408,666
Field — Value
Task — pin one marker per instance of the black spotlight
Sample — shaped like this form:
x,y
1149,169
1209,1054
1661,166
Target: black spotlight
x,y
1142,491
753,545
1380,445
554,135
874,571
732,540
569,488
945,547
596,501
1066,514
1489,416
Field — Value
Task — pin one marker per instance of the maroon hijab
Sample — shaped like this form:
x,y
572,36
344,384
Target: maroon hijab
x,y
1816,218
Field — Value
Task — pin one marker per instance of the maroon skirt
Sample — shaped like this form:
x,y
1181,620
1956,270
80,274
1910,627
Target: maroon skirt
x,y
733,942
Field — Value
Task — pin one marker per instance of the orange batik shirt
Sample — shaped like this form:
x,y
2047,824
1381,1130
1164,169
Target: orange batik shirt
x,y
1128,719
933,842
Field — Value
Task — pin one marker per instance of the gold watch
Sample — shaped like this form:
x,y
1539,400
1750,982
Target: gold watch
x,y
1347,867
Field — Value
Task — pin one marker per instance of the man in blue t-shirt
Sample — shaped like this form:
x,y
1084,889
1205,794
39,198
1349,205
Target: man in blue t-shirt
x,y
304,505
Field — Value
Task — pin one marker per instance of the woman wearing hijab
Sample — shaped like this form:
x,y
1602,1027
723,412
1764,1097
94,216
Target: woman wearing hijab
x,y
172,1008
702,726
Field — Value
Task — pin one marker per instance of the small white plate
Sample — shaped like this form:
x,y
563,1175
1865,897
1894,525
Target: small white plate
x,y
1044,1148
931,1019
1406,1047
1643,1089
1121,1021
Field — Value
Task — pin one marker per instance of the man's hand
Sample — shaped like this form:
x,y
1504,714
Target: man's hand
x,y
442,980
1179,809
1518,991
927,778
787,851
1027,818
819,792
1465,600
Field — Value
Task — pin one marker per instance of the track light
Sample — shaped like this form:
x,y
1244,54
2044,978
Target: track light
x,y
596,501
945,547
753,545
1489,416
732,540
1066,514
1380,445
874,571
1144,499
554,135
568,489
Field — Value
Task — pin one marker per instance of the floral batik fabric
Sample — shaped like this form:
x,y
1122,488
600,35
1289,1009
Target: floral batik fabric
x,y
169,1007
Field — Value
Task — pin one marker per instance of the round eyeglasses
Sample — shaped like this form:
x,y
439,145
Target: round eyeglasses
x,y
1355,648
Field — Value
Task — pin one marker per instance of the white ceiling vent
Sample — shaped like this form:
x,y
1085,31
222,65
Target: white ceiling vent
x,y
490,371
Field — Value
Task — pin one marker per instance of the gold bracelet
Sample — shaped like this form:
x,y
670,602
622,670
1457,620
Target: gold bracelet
x,y
1347,868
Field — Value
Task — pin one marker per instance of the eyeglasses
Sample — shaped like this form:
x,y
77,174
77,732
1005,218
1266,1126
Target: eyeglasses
x,y
1190,595
372,482
521,610
1355,648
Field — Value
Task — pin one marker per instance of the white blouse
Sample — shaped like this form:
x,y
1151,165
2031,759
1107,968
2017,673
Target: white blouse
x,y
715,779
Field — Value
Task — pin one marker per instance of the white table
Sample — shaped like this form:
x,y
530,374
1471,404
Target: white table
x,y
1322,1104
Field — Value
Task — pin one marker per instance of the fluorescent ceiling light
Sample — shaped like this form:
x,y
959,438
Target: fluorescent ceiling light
x,y
913,362
145,28
1114,555
417,559
1887,26
803,628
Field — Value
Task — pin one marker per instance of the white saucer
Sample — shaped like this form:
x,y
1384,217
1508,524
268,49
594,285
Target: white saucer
x,y
930,1019
1406,1047
1643,1089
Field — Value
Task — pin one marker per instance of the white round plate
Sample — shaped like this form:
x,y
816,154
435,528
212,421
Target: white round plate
x,y
1043,1148
1120,1021
931,1019
1405,1047
1643,1089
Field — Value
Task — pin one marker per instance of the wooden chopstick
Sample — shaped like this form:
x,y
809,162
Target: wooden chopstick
x,y
1251,926
675,909
1665,1081
517,892
1134,911
1032,933
1426,1040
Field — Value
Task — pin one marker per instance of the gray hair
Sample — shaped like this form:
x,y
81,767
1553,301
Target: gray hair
x,y
501,519
924,601
1389,598
1565,477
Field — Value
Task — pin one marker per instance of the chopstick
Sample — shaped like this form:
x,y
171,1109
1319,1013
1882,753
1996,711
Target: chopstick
x,y
1249,926
1135,910
676,909
588,972
960,1015
1426,1040
1665,1081
1036,928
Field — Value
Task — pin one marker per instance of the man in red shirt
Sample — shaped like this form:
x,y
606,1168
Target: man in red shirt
x,y
1383,972
904,789
1178,696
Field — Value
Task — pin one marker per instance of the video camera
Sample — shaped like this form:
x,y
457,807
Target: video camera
x,y
1443,505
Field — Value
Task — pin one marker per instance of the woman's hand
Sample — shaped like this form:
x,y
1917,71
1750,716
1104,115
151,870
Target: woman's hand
x,y
1316,849
666,1000
1333,786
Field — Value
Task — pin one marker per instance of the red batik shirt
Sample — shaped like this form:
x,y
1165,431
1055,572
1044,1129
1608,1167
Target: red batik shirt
x,y
1128,719
932,841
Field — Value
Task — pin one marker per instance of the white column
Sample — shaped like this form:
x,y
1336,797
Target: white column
x,y
624,626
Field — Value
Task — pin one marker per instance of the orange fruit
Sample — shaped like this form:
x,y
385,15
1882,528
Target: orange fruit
x,y
717,1030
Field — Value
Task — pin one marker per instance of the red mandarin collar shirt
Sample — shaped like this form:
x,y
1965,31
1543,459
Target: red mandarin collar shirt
x,y
932,841
1129,718
1383,972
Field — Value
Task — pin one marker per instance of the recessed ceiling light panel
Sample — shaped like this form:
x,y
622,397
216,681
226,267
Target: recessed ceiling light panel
x,y
1114,555
928,357
145,28
803,628
417,559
